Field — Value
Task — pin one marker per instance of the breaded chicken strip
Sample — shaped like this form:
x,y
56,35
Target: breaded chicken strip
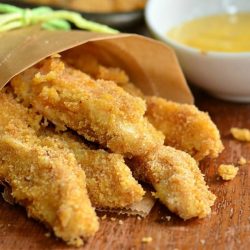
x,y
184,126
177,179
46,180
99,110
109,181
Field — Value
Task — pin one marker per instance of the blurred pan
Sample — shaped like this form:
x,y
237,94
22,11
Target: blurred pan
x,y
118,20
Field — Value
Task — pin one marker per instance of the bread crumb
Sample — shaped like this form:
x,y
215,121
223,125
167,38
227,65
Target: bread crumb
x,y
138,218
227,172
153,194
168,218
113,219
120,222
146,239
55,55
231,212
45,123
28,178
47,234
104,217
202,242
242,161
241,134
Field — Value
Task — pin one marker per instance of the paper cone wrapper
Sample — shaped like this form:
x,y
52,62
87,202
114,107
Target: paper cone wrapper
x,y
151,65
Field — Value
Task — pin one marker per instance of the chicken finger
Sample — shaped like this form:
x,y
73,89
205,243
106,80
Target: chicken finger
x,y
109,181
177,179
46,180
185,127
99,110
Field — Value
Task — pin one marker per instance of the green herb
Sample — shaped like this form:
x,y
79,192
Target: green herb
x,y
12,17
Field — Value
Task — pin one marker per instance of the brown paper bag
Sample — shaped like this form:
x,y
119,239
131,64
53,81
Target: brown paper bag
x,y
151,65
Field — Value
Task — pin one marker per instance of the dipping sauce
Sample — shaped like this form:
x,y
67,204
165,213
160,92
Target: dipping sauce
x,y
224,33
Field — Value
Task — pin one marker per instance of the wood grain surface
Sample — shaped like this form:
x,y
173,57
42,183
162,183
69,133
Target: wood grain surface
x,y
227,228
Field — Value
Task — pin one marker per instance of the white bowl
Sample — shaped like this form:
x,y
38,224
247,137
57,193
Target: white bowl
x,y
225,75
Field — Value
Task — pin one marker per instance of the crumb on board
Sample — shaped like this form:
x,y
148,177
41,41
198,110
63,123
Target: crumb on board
x,y
56,56
168,218
153,194
146,239
202,242
104,217
231,212
241,134
120,222
227,172
138,218
242,161
48,234
113,219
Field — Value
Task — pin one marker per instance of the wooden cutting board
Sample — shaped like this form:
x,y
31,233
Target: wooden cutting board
x,y
228,227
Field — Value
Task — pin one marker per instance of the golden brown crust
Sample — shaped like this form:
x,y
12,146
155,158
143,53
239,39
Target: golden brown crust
x,y
109,181
65,95
89,64
178,181
185,127
99,110
51,192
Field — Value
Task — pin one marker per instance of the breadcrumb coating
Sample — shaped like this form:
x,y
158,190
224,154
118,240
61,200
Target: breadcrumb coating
x,y
91,66
45,179
184,126
241,134
227,172
65,96
178,181
120,77
109,181
99,110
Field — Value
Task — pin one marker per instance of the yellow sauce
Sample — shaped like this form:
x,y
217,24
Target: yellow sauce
x,y
224,32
